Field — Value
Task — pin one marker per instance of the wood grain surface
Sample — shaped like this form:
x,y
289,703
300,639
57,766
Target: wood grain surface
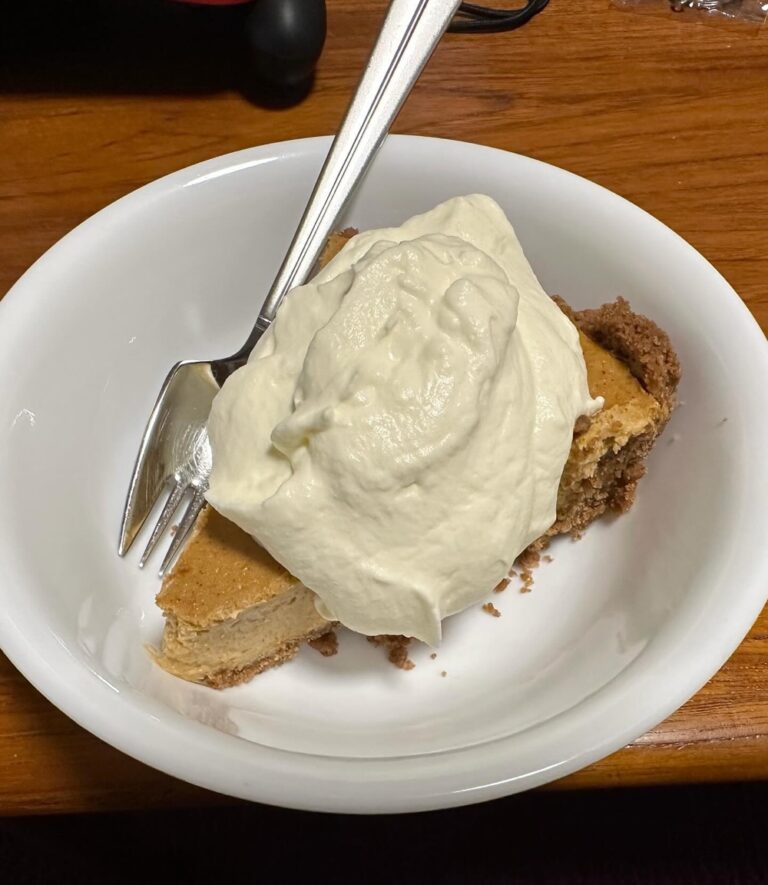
x,y
671,114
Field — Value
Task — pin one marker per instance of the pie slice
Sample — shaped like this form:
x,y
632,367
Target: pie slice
x,y
231,611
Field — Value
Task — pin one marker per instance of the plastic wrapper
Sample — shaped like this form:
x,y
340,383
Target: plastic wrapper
x,y
755,11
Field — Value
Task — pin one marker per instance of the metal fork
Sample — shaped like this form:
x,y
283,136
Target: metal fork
x,y
174,456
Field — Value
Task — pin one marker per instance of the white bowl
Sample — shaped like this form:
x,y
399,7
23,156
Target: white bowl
x,y
619,630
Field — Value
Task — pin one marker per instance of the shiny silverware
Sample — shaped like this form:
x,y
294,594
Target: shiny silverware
x,y
174,457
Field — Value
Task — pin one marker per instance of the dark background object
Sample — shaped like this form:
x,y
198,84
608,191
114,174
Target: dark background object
x,y
673,836
161,47
121,46
267,49
474,19
286,38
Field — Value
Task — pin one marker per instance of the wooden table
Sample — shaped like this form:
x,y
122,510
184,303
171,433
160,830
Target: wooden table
x,y
670,114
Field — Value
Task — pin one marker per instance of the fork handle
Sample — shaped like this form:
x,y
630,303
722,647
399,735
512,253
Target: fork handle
x,y
411,30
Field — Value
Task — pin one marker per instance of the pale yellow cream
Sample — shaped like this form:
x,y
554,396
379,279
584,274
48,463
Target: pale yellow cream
x,y
398,435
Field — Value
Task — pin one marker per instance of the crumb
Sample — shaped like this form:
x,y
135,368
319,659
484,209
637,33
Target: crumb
x,y
444,673
501,586
547,558
174,529
491,609
582,424
397,647
526,562
433,655
512,573
723,421
327,644
526,578
528,559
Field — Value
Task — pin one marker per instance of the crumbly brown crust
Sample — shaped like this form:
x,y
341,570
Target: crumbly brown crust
x,y
528,561
397,649
327,644
612,487
636,341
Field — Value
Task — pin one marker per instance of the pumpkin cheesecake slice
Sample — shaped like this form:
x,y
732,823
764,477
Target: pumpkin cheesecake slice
x,y
232,611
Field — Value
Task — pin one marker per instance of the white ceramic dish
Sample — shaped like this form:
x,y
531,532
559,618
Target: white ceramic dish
x,y
620,629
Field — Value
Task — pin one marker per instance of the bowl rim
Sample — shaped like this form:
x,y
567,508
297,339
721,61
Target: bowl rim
x,y
200,755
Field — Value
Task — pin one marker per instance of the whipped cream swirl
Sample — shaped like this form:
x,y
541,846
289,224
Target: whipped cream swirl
x,y
398,435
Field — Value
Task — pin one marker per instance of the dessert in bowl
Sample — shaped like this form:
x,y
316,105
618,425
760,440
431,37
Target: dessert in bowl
x,y
422,384
622,627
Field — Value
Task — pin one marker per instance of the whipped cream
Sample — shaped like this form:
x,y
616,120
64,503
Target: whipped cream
x,y
398,435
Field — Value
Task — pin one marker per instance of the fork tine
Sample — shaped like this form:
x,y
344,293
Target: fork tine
x,y
187,521
146,487
150,474
153,466
177,492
